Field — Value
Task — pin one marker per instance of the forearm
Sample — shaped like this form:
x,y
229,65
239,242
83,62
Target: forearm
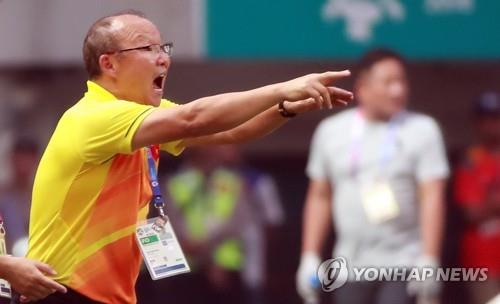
x,y
314,231
5,265
432,214
431,225
259,126
316,225
226,111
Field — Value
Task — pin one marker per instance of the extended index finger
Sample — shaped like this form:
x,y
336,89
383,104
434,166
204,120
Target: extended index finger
x,y
328,77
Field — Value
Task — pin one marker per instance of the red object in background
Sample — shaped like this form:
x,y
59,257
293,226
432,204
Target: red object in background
x,y
477,179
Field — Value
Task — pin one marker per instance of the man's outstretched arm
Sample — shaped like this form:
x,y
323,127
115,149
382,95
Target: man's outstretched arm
x,y
264,123
214,114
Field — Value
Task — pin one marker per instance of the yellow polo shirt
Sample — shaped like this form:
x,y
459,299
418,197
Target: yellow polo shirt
x,y
90,190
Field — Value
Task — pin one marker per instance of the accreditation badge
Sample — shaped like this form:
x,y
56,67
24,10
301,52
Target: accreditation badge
x,y
160,248
4,289
379,202
4,285
3,247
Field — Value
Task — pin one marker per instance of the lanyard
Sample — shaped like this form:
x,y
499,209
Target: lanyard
x,y
158,201
2,229
387,149
3,250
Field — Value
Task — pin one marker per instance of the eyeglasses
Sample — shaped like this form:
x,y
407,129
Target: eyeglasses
x,y
166,48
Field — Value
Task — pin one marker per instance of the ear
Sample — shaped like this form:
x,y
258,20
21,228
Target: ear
x,y
360,84
362,79
108,64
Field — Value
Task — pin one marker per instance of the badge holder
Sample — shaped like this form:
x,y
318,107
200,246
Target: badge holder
x,y
160,248
379,202
156,238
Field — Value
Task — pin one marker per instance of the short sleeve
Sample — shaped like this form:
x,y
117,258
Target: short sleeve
x,y
431,160
173,147
108,128
317,162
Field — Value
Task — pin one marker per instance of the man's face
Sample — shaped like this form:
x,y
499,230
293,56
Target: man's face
x,y
140,74
383,89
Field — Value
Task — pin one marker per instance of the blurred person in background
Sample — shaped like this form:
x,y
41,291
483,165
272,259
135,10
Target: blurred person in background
x,y
220,208
15,197
477,191
382,182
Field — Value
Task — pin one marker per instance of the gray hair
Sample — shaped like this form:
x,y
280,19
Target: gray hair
x,y
101,39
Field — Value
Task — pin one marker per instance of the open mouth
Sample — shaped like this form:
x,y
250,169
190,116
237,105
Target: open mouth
x,y
159,81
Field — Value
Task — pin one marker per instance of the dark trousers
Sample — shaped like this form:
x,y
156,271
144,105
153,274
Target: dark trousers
x,y
192,288
373,293
71,296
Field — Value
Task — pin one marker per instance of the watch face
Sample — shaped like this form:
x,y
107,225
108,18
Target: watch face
x,y
283,111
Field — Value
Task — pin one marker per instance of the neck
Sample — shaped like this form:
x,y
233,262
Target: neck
x,y
108,85
111,86
374,115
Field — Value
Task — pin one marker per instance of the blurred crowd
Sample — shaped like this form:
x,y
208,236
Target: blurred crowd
x,y
226,212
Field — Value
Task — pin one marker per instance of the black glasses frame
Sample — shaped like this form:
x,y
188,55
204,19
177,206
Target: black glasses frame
x,y
165,48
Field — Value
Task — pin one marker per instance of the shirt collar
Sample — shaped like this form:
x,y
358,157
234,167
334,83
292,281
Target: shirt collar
x,y
99,93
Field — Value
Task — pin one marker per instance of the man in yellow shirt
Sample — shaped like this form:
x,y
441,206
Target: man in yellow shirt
x,y
92,184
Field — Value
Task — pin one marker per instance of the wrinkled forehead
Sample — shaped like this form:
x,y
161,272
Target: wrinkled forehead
x,y
134,31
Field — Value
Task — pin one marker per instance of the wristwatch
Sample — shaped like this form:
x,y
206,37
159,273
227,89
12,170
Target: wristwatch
x,y
284,112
